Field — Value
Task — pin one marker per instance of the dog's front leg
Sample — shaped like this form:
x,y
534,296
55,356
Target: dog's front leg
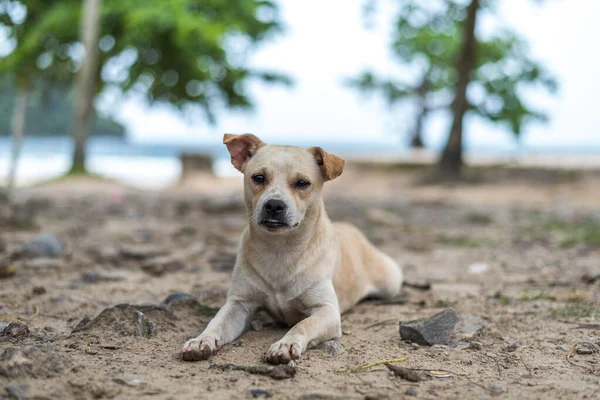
x,y
229,323
323,323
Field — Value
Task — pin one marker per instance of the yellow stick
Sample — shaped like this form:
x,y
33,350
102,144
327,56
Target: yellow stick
x,y
367,366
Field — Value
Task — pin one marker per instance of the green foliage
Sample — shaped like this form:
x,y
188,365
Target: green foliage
x,y
49,114
426,41
187,53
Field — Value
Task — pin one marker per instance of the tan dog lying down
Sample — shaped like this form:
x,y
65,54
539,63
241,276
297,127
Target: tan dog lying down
x,y
293,262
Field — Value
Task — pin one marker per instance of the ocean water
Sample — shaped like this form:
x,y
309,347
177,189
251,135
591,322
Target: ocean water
x,y
146,165
156,165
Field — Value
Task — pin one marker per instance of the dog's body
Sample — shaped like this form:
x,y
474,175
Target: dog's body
x,y
293,261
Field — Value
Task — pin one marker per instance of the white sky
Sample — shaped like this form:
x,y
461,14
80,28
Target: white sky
x,y
325,41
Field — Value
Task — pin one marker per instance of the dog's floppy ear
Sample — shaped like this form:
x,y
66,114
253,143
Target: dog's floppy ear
x,y
331,165
241,148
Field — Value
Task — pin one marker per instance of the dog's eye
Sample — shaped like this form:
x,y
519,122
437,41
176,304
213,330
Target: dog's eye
x,y
258,178
301,183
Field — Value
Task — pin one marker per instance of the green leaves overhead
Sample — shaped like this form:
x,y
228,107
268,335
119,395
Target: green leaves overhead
x,y
426,41
181,52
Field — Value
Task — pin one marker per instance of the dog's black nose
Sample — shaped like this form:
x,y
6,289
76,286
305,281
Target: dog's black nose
x,y
275,207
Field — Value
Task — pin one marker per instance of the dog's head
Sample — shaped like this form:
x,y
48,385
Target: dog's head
x,y
282,184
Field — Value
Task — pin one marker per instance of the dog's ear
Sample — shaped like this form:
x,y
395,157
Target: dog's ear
x,y
331,165
241,148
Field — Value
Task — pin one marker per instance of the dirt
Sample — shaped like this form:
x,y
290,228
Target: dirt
x,y
140,272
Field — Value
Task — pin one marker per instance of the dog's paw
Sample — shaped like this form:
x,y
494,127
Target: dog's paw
x,y
200,348
283,351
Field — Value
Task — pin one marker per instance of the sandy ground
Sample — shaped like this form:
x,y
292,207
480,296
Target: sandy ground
x,y
518,259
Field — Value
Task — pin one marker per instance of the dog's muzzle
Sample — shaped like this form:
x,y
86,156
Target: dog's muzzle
x,y
273,215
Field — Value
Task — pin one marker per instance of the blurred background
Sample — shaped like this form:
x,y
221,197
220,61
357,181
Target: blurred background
x,y
122,89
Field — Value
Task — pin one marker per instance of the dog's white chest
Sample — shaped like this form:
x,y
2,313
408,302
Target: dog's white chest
x,y
284,309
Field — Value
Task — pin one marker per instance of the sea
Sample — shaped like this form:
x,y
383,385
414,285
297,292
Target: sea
x,y
156,165
141,164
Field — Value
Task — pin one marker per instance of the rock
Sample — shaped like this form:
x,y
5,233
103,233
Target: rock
x,y
411,391
437,329
476,346
260,394
159,266
43,245
141,251
38,290
38,361
512,347
495,389
126,320
586,348
144,320
95,277
14,330
332,347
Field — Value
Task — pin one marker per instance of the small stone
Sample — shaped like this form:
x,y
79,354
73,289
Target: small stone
x,y
95,277
491,355
128,381
38,290
43,245
587,348
260,394
495,389
15,330
17,392
437,329
476,346
43,263
512,347
332,347
411,391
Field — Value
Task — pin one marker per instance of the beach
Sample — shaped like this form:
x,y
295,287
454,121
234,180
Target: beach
x,y
516,257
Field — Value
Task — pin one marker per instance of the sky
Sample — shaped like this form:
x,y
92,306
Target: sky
x,y
326,41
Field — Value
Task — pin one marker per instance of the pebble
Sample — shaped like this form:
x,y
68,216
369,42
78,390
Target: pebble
x,y
437,329
43,245
411,391
495,389
476,346
15,330
512,347
260,394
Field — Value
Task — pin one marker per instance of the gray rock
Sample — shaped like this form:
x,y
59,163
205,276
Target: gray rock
x,y
17,392
512,347
14,330
43,245
126,320
332,347
96,277
411,391
260,394
437,329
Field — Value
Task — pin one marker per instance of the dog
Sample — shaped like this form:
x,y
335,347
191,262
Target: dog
x,y
292,261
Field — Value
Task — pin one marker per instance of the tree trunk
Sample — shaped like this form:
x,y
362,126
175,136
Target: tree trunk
x,y
451,161
18,131
416,142
86,83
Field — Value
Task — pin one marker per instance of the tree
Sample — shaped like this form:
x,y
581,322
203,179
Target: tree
x,y
19,64
190,54
86,82
482,75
